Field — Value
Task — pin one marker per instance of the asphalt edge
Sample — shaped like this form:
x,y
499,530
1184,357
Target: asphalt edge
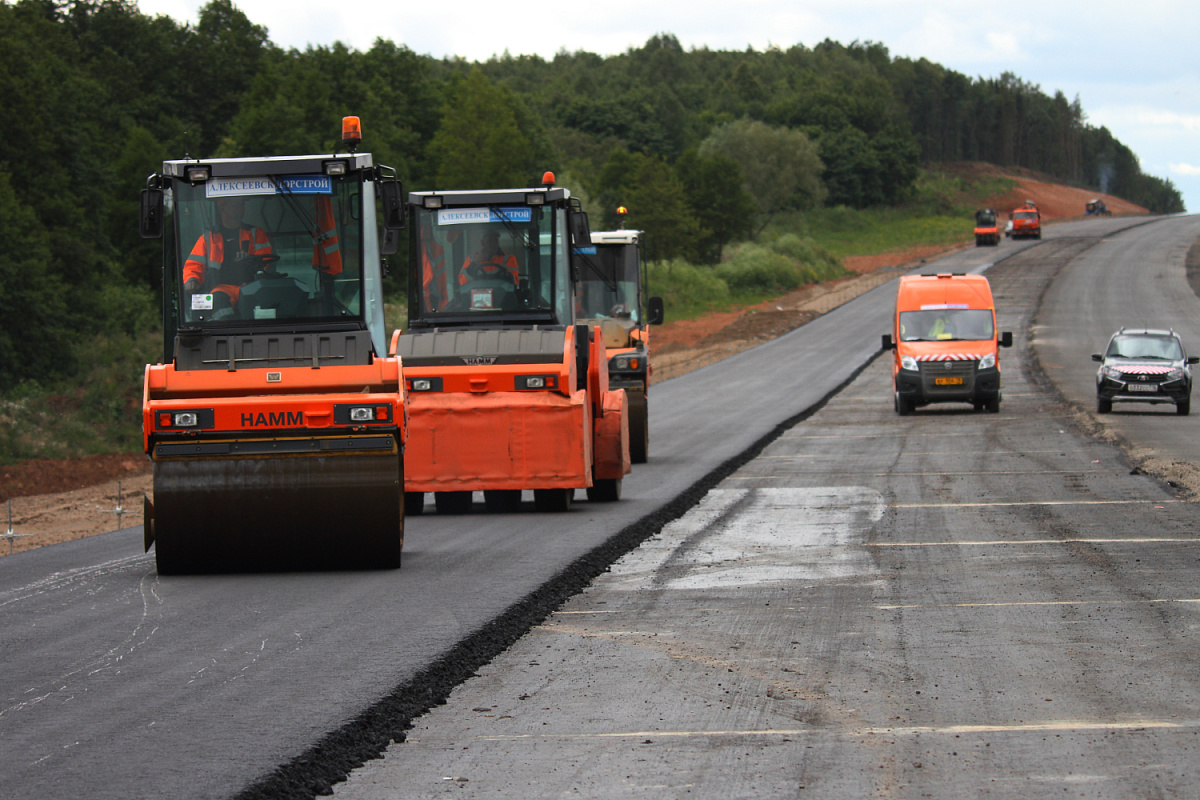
x,y
314,772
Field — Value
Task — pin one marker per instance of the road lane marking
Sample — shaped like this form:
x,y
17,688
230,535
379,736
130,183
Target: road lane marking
x,y
1065,725
1073,540
907,453
1015,603
1037,503
933,474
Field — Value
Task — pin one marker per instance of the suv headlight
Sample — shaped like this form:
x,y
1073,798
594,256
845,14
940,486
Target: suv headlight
x,y
1175,374
908,362
1111,372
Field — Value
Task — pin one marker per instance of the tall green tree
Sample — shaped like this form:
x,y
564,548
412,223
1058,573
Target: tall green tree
x,y
715,194
481,143
656,200
780,166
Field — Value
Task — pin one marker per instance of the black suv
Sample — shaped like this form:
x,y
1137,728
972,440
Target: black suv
x,y
1142,365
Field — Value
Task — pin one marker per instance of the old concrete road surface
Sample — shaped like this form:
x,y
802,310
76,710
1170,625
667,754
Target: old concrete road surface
x,y
1134,279
950,604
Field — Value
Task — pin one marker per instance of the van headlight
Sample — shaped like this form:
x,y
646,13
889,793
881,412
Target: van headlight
x,y
908,362
988,361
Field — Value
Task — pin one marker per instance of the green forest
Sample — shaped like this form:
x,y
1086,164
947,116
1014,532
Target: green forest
x,y
726,158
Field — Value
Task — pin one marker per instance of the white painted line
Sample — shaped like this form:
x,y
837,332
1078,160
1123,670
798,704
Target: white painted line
x,y
1132,540
907,454
1038,503
1088,603
928,474
1064,725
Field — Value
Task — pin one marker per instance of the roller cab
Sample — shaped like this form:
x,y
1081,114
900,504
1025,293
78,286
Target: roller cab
x,y
507,393
613,300
276,418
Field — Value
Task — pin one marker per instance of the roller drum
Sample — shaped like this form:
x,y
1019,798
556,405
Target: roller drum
x,y
272,514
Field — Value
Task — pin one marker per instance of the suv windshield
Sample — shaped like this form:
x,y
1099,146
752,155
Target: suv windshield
x,y
608,281
491,261
1145,346
272,248
947,324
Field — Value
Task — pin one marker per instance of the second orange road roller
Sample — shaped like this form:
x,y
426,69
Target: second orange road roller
x,y
507,392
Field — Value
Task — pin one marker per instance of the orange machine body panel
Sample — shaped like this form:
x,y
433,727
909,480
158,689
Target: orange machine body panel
x,y
478,432
261,402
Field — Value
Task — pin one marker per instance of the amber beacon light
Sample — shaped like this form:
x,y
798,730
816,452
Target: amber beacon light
x,y
351,132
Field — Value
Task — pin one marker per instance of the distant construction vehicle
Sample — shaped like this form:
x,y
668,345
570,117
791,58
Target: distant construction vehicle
x,y
986,230
1027,221
508,392
613,300
1096,208
275,420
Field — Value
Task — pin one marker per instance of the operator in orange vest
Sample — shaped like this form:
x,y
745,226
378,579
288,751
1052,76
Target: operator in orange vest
x,y
227,248
489,262
433,270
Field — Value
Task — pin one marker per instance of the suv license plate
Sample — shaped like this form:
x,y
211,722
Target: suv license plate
x,y
947,381
1143,387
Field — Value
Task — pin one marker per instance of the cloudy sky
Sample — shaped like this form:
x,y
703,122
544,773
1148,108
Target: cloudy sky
x,y
1134,66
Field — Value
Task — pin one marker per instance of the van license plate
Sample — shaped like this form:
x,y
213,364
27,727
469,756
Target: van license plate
x,y
947,381
1143,387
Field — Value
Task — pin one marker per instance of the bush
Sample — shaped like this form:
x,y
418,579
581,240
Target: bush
x,y
787,263
687,290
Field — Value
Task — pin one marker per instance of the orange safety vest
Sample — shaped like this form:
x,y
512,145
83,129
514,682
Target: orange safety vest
x,y
491,267
209,250
327,252
433,274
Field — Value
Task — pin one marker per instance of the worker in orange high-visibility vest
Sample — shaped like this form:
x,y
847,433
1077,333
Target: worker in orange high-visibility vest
x,y
327,252
433,271
489,262
228,251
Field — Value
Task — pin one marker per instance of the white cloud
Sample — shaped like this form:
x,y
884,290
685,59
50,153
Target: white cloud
x,y
1190,170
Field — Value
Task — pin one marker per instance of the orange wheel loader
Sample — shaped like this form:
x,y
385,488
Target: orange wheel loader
x,y
507,392
612,299
275,421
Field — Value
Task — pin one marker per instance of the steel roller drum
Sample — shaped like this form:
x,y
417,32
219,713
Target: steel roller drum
x,y
250,514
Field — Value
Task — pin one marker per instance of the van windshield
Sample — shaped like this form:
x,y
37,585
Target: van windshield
x,y
947,324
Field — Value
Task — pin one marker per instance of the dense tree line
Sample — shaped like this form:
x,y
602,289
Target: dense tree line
x,y
703,146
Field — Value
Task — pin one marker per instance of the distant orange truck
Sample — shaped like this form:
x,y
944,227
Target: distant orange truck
x,y
1027,221
945,343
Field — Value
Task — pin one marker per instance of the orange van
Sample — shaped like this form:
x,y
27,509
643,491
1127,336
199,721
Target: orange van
x,y
945,342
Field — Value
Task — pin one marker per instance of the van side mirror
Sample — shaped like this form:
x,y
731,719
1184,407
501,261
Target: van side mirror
x,y
655,312
1006,339
887,342
151,219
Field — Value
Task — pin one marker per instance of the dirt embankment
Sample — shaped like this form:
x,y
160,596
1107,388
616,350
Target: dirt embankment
x,y
59,500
